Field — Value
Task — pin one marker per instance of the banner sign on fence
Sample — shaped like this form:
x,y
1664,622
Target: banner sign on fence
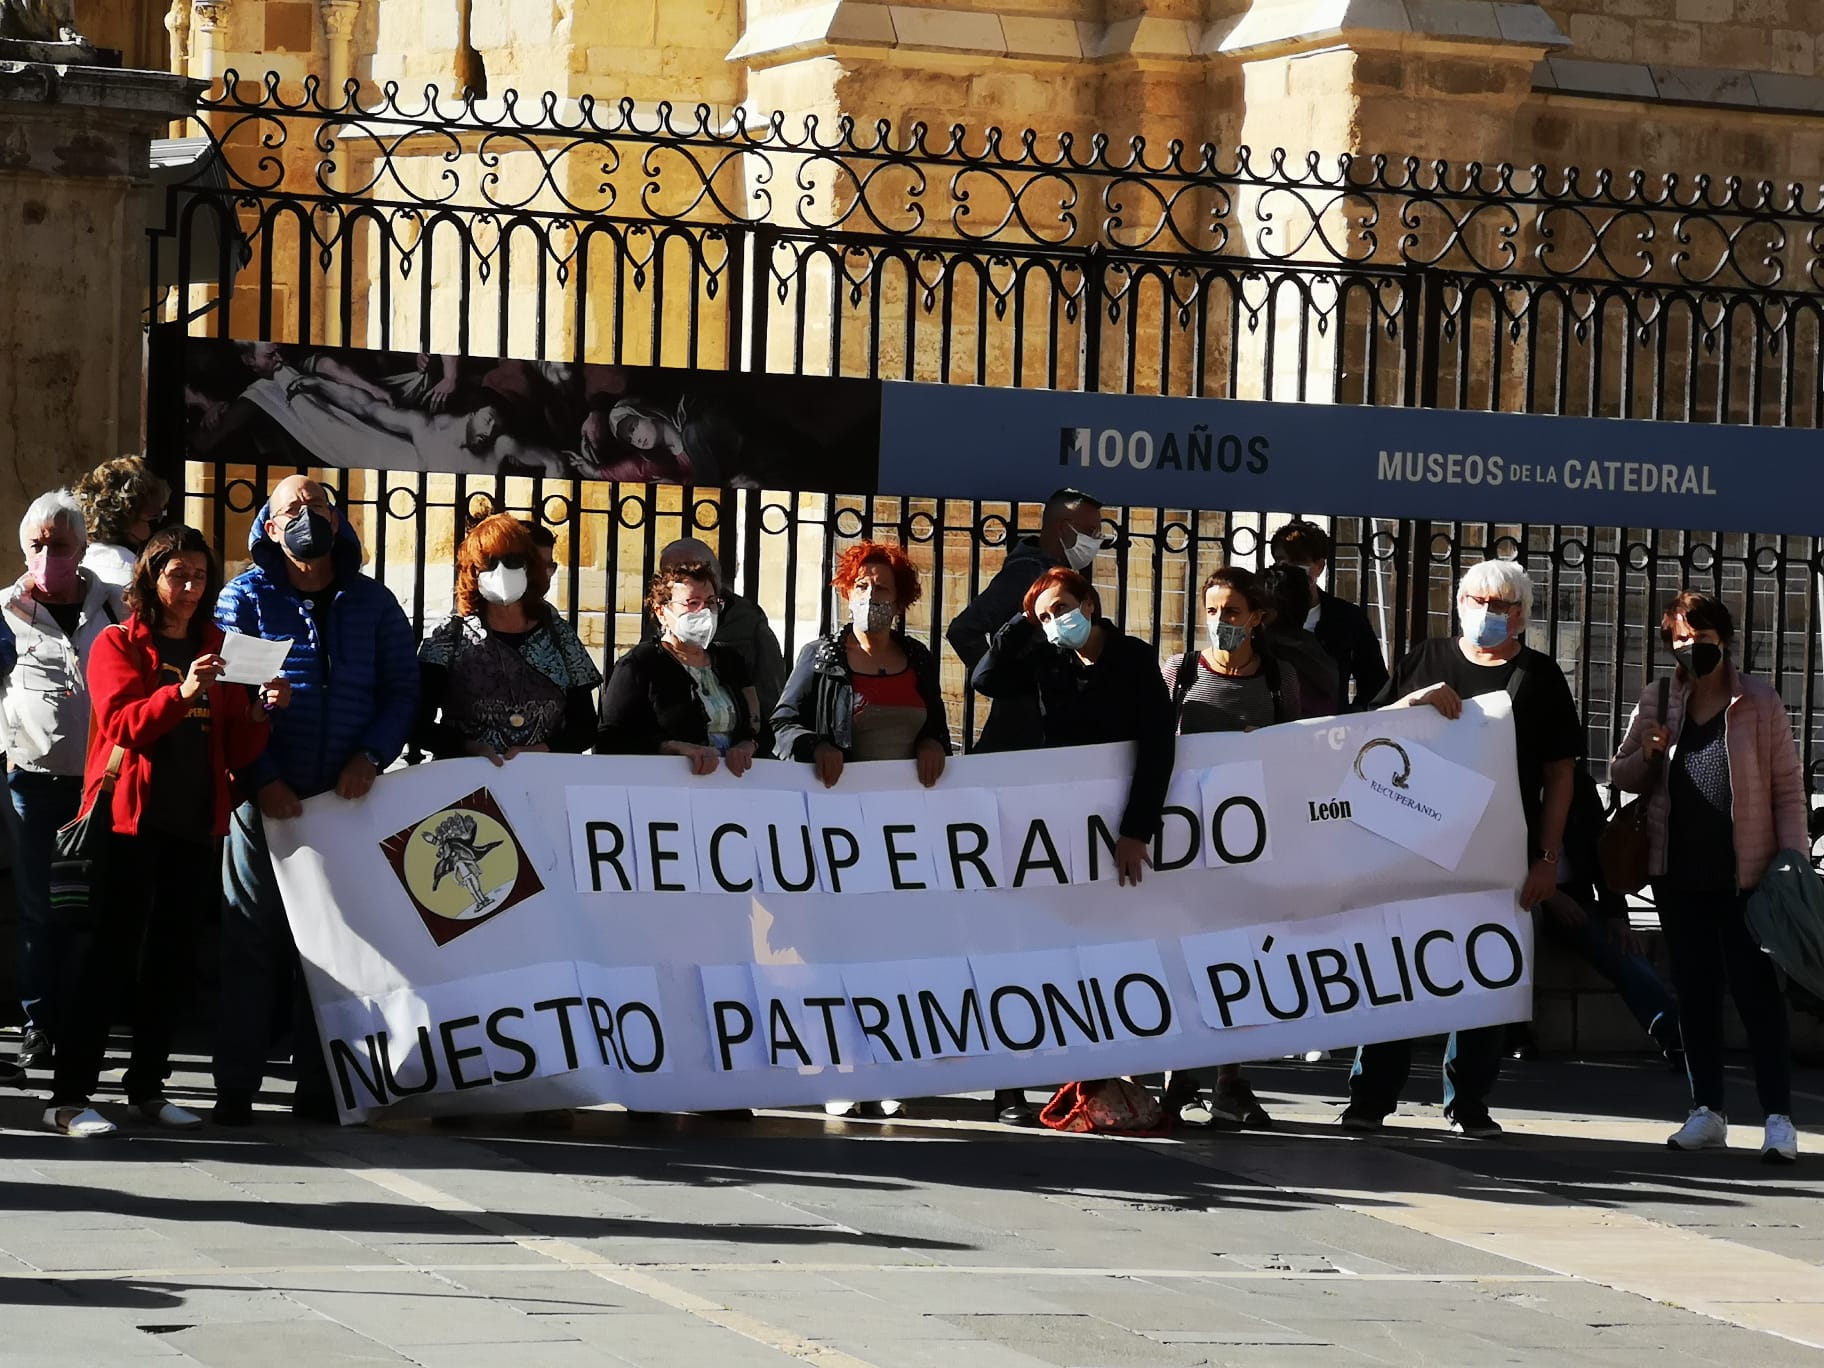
x,y
570,930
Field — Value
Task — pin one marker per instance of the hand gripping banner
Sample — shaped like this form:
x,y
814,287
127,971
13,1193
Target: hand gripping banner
x,y
571,930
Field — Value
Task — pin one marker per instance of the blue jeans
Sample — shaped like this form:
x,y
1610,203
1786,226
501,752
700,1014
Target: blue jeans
x,y
41,803
1472,1063
1632,974
262,978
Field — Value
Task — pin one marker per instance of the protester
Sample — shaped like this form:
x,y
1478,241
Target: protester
x,y
1290,596
122,501
1341,626
1234,684
55,612
868,692
1070,534
353,673
1731,796
1088,683
684,693
741,625
171,732
505,674
1494,605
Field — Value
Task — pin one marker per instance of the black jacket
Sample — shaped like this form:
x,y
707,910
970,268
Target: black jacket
x,y
818,704
1122,697
1012,723
651,699
1349,637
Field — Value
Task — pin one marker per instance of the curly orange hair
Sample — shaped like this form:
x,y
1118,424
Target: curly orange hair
x,y
906,584
1072,583
501,535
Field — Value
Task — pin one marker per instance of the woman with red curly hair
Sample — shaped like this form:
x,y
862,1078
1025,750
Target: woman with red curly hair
x,y
504,674
868,692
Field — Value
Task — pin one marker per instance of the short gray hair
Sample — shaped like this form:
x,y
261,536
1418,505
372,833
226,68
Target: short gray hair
x,y
1500,579
57,506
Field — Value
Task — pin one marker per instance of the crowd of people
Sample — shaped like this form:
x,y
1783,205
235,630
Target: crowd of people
x,y
116,712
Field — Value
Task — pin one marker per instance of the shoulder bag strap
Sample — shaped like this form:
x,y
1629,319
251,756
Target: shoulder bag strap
x,y
1269,669
1181,684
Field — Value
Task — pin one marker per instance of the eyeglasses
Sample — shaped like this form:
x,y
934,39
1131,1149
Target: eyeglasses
x,y
1494,605
513,560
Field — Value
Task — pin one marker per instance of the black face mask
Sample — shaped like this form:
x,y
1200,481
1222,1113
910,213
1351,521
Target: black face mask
x,y
308,535
1698,658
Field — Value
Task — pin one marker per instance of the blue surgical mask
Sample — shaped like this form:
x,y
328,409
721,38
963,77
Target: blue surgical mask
x,y
1069,630
1228,637
1483,628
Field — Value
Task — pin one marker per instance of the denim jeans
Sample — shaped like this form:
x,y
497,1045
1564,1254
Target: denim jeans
x,y
1710,946
262,977
1472,1063
1632,974
40,804
134,962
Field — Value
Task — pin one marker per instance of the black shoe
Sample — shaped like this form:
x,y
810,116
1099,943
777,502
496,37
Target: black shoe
x,y
728,1114
316,1110
1475,1125
34,1050
11,1075
1012,1109
232,1109
1361,1120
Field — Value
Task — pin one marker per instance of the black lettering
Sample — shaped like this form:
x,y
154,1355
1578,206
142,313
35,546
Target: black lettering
x,y
1418,963
810,861
453,1057
725,1040
824,1005
1399,961
1338,972
836,866
1095,988
959,857
1221,846
562,1007
897,857
876,1029
601,1016
1516,964
1193,827
640,1009
1037,834
1298,980
727,884
1225,996
1162,999
1058,1006
660,858
1257,455
528,1057
425,1053
1374,999
1000,1027
1100,838
610,857
346,1062
776,1018
1228,453
934,1014
911,1027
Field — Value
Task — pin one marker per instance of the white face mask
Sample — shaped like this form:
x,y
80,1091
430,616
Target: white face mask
x,y
694,629
1083,550
871,614
502,585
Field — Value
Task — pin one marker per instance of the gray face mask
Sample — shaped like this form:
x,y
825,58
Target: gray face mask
x,y
871,614
1228,637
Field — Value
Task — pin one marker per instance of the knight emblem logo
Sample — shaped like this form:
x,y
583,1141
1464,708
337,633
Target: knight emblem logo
x,y
461,866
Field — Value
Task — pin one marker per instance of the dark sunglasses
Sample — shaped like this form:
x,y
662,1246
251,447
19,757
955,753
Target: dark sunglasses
x,y
513,560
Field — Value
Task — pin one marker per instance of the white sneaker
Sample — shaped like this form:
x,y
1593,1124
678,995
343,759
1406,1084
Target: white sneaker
x,y
81,1122
160,1112
1780,1143
1704,1129
838,1108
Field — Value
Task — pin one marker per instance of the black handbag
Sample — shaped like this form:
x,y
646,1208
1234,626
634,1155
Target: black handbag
x,y
81,849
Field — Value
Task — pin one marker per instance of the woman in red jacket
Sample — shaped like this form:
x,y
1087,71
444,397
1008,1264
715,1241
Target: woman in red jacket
x,y
157,697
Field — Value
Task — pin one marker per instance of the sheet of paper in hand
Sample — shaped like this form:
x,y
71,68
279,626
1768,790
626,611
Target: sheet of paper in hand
x,y
252,660
1415,798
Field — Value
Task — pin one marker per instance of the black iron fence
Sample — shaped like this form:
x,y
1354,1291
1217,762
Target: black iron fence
x,y
573,231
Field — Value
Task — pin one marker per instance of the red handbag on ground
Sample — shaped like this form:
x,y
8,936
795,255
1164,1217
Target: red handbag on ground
x,y
1104,1106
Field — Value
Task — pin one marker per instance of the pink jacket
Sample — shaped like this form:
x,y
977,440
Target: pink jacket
x,y
1767,786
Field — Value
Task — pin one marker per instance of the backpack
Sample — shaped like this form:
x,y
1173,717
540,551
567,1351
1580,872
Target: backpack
x,y
1105,1106
1187,676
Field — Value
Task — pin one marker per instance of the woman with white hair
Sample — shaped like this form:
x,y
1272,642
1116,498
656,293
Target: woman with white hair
x,y
55,611
1494,604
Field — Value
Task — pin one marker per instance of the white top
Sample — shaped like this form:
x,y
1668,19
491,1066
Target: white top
x,y
111,564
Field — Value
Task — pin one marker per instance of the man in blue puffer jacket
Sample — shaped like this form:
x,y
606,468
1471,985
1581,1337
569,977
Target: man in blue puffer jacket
x,y
353,670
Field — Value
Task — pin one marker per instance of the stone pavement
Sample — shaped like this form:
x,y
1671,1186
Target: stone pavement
x,y
931,1242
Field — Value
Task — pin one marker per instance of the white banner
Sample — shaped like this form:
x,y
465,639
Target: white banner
x,y
568,930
